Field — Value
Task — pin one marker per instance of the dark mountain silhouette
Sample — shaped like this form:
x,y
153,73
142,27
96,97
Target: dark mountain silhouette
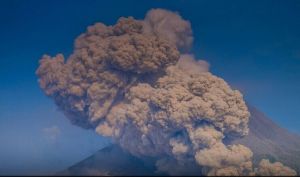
x,y
266,139
113,161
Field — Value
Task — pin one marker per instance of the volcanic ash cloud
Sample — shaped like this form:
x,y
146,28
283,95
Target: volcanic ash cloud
x,y
133,82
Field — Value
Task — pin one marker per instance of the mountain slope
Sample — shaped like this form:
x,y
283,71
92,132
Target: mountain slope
x,y
112,161
265,139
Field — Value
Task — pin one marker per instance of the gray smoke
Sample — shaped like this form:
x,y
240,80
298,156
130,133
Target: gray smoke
x,y
130,82
171,26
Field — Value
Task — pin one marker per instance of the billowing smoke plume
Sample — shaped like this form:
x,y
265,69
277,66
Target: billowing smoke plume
x,y
130,82
274,169
171,26
188,63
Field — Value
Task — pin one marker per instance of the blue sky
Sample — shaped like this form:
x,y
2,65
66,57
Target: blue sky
x,y
254,45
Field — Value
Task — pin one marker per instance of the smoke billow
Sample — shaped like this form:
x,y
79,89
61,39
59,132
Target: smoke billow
x,y
133,83
171,26
273,169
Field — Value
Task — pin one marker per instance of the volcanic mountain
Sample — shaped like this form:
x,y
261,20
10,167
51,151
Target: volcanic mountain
x,y
266,139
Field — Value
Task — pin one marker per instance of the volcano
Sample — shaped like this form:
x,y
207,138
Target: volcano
x,y
266,139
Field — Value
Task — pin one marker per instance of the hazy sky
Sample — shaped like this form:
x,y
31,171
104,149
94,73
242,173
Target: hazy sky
x,y
254,45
